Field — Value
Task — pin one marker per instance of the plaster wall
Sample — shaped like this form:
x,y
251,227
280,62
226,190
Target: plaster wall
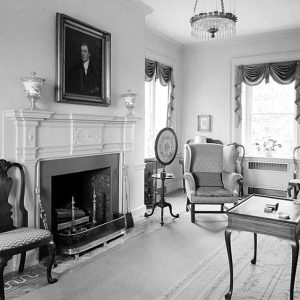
x,y
207,78
169,53
28,43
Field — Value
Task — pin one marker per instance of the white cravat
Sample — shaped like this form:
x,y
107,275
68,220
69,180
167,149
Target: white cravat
x,y
86,65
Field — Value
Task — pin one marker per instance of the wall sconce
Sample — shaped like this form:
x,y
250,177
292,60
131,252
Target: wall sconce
x,y
129,99
32,88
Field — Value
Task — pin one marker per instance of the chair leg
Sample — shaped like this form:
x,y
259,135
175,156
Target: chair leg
x,y
3,262
52,249
22,262
193,212
187,204
222,207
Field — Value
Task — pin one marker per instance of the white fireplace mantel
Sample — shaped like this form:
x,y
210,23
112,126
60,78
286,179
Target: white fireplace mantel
x,y
48,135
31,136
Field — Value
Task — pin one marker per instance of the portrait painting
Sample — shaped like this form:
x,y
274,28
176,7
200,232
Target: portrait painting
x,y
83,62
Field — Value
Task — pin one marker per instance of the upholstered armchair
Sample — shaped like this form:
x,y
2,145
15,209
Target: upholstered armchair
x,y
210,178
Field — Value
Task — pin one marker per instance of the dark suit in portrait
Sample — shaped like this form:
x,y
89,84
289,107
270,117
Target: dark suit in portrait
x,y
84,83
84,77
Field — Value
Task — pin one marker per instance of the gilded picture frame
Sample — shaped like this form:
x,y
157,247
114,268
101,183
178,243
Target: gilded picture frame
x,y
83,63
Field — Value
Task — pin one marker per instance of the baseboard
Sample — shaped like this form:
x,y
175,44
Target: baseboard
x,y
138,211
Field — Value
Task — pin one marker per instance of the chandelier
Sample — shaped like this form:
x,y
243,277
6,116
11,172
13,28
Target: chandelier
x,y
213,24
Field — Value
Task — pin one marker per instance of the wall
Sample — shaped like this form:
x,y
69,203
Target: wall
x,y
207,78
168,52
28,35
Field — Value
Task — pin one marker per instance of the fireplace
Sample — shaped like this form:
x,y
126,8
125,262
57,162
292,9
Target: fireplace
x,y
82,202
62,143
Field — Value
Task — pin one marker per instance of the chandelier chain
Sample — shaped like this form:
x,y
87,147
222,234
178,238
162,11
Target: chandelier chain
x,y
222,5
195,7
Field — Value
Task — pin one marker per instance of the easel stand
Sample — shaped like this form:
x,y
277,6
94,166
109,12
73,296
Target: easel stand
x,y
162,203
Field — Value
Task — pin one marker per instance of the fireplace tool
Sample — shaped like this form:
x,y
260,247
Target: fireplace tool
x,y
128,215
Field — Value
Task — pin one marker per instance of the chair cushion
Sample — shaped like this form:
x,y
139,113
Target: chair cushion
x,y
213,192
23,236
208,179
213,195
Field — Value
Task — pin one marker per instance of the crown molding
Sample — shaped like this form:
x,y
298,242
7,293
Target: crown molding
x,y
282,34
163,38
138,6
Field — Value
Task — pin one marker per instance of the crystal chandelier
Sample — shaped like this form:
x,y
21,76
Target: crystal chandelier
x,y
213,24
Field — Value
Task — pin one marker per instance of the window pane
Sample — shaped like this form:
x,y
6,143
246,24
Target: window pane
x,y
161,105
156,104
273,97
279,127
269,115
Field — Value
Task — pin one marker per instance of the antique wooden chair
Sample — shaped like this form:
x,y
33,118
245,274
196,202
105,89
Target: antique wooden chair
x,y
210,175
294,184
18,240
240,166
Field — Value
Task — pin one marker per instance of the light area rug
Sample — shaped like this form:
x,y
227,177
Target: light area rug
x,y
268,279
144,266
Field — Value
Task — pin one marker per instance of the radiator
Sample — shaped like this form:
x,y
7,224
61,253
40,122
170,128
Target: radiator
x,y
277,167
265,191
267,178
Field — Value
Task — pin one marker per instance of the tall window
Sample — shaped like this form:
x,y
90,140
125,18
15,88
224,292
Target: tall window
x,y
269,118
156,105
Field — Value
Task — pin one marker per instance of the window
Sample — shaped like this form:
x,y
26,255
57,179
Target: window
x,y
156,104
269,114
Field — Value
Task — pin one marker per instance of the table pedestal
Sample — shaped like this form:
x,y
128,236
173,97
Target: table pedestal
x,y
162,203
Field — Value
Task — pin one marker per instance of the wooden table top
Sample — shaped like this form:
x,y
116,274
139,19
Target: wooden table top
x,y
254,205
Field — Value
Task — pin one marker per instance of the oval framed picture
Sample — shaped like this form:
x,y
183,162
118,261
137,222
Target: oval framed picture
x,y
166,146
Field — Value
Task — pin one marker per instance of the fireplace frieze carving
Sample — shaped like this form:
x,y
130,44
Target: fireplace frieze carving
x,y
87,136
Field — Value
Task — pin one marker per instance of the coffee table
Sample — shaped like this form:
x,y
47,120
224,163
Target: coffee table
x,y
249,216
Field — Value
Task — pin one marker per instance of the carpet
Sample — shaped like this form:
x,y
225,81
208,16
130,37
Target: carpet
x,y
143,266
268,279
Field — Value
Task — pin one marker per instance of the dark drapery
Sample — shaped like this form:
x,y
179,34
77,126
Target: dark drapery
x,y
156,70
282,73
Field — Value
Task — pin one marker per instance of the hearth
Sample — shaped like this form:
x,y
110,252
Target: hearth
x,y
82,202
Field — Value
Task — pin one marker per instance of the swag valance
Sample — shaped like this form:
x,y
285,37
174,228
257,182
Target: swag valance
x,y
156,70
282,73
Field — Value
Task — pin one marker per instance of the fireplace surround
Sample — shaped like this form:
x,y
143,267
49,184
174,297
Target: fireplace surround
x,y
41,137
82,180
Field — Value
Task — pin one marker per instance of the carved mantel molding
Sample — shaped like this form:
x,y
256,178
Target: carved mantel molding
x,y
48,135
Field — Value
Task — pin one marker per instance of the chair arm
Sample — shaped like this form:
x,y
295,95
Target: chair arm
x,y
230,180
190,184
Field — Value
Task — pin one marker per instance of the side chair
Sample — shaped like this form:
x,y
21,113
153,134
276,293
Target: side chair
x,y
240,166
294,184
210,177
18,240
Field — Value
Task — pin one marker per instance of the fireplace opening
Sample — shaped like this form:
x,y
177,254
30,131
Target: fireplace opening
x,y
82,202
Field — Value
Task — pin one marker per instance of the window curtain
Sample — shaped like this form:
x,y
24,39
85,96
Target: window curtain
x,y
154,69
282,73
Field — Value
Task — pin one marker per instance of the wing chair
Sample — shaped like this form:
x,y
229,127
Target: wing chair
x,y
210,178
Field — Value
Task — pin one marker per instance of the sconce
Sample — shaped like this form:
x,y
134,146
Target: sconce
x,y
32,88
129,99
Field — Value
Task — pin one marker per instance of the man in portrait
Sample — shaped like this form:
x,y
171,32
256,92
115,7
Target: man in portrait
x,y
84,77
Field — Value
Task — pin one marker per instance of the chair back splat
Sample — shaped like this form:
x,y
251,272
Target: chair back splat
x,y
18,240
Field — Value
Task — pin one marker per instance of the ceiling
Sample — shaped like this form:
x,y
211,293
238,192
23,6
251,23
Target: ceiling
x,y
171,17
